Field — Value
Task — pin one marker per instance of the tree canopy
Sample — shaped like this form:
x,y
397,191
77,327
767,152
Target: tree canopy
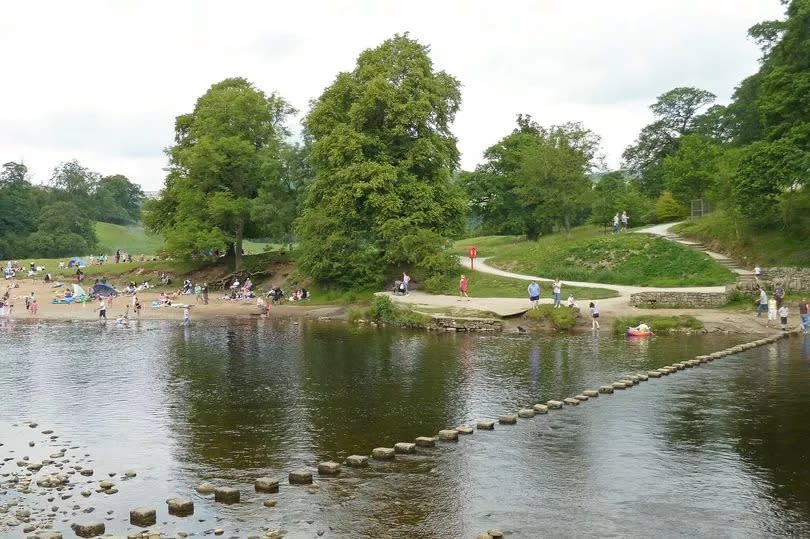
x,y
383,154
226,153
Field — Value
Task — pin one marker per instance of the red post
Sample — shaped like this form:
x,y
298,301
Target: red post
x,y
472,251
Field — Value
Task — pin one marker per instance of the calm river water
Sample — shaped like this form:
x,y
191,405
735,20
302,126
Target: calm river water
x,y
720,450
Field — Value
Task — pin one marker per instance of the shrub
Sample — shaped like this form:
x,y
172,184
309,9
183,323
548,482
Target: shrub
x,y
669,209
563,318
659,324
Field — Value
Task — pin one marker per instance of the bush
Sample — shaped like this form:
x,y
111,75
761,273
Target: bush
x,y
669,209
383,310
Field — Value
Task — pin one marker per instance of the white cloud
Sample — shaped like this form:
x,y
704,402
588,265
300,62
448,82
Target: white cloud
x,y
102,81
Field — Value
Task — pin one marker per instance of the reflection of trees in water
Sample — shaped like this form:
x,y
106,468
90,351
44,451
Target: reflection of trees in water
x,y
232,393
365,388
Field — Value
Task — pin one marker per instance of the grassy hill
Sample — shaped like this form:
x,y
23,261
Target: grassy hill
x,y
590,255
719,232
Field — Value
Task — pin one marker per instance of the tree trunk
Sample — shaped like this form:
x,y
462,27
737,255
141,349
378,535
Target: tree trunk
x,y
237,247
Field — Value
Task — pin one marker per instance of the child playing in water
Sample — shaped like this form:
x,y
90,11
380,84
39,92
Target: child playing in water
x,y
783,315
186,315
594,316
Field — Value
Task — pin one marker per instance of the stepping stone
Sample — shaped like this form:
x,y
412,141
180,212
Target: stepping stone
x,y
619,385
88,529
581,398
592,393
425,441
143,516
357,461
540,408
554,405
526,412
654,374
606,389
508,419
180,507
382,453
404,447
301,477
464,429
485,424
329,467
642,377
448,435
226,495
571,401
266,484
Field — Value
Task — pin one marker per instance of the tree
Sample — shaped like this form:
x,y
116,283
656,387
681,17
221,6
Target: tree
x,y
62,229
692,171
225,152
676,112
383,155
118,200
613,193
71,181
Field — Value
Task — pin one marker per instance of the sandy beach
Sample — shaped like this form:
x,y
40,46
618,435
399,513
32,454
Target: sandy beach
x,y
216,307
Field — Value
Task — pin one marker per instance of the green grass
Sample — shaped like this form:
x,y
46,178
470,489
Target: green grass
x,y
719,232
486,285
132,239
658,323
590,255
562,318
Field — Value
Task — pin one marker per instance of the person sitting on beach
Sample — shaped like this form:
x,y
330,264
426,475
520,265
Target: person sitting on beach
x,y
235,285
571,303
163,299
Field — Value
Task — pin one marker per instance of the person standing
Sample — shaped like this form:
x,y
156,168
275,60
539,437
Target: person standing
x,y
783,317
772,311
102,309
534,294
406,279
625,220
594,315
186,315
778,294
763,302
197,293
34,306
205,293
462,287
616,223
556,293
804,313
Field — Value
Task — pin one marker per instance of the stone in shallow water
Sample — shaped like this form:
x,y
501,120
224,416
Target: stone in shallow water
x,y
357,461
404,447
526,412
654,374
540,408
205,488
180,507
591,393
382,453
266,484
130,473
226,495
86,471
554,404
143,516
619,385
485,424
571,401
105,485
329,467
300,477
448,435
425,441
464,429
581,398
507,419
605,389
88,529
270,503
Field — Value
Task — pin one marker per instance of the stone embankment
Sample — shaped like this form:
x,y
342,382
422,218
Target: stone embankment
x,y
450,323
679,300
794,279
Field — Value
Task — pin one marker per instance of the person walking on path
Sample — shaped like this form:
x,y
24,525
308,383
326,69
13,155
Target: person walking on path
x,y
556,293
625,220
534,294
205,293
763,302
462,287
804,314
772,310
616,223
594,316
406,279
783,317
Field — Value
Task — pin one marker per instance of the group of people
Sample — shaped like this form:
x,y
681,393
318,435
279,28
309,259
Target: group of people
x,y
624,219
775,306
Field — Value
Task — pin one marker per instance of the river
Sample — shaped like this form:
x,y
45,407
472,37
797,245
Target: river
x,y
719,450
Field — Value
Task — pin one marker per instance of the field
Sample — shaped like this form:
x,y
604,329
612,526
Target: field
x,y
590,255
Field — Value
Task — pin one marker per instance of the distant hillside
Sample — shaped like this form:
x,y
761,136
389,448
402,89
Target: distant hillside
x,y
132,239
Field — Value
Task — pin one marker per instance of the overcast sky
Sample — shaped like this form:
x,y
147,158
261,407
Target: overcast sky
x,y
102,81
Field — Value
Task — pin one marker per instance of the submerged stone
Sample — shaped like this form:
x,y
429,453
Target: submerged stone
x,y
226,495
265,484
300,477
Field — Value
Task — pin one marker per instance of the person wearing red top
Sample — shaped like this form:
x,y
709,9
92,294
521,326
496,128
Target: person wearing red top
x,y
804,313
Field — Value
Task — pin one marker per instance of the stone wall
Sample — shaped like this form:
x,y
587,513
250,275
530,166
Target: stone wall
x,y
679,300
795,279
448,323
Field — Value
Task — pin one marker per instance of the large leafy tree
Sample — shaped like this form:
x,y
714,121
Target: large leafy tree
x,y
226,151
62,229
534,179
118,200
383,155
676,115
